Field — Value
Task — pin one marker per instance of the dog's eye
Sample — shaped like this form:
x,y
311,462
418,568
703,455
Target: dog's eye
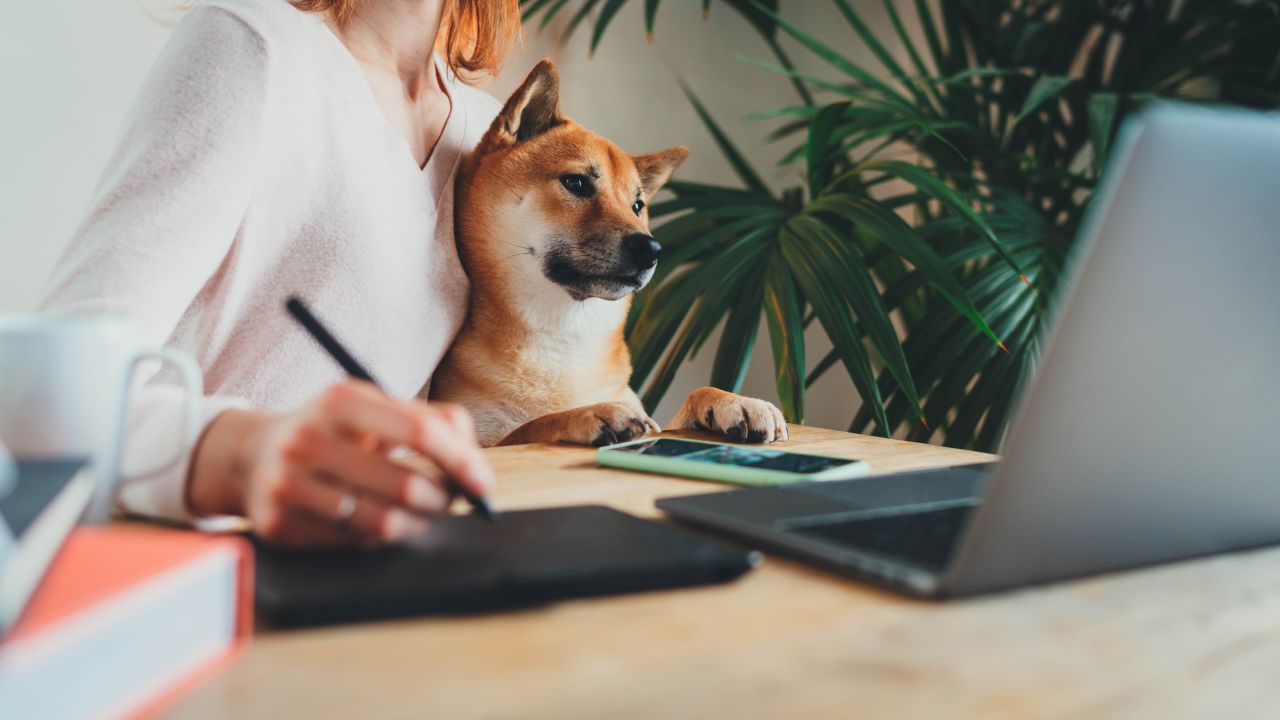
x,y
577,184
637,206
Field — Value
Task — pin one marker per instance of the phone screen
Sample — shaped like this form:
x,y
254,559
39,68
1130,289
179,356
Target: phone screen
x,y
734,455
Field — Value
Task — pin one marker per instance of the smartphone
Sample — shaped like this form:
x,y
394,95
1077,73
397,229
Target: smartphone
x,y
755,466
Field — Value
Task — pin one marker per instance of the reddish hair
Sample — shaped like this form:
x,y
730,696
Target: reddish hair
x,y
474,34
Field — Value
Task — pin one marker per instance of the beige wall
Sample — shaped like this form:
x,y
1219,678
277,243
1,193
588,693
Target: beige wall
x,y
69,70
629,93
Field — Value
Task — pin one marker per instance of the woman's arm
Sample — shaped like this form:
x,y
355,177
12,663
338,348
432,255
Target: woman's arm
x,y
165,215
291,474
165,218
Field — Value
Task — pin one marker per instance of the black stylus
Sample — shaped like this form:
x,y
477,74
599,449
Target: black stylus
x,y
298,310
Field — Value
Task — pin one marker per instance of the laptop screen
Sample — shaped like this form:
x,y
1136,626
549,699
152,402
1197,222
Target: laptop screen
x,y
761,458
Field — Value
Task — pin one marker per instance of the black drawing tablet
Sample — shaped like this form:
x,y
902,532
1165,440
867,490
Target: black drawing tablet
x,y
465,564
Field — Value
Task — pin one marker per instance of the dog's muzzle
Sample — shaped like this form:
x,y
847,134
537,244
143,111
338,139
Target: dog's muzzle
x,y
622,270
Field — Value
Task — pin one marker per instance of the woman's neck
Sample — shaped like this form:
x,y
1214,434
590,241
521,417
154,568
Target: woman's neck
x,y
395,37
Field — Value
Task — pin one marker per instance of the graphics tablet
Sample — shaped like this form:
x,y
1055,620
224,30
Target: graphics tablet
x,y
465,564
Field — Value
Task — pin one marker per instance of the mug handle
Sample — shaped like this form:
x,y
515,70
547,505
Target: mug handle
x,y
191,381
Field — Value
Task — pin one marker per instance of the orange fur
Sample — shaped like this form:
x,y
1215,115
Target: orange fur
x,y
541,355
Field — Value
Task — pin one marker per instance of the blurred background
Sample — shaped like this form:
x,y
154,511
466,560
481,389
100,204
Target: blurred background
x,y
71,69
880,201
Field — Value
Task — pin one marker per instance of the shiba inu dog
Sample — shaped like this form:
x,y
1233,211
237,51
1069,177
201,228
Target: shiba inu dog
x,y
553,231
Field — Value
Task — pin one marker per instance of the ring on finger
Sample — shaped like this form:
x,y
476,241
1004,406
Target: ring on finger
x,y
346,509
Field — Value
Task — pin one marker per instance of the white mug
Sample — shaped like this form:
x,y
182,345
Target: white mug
x,y
64,392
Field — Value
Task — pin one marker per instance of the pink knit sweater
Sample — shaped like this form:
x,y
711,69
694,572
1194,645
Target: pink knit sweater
x,y
257,164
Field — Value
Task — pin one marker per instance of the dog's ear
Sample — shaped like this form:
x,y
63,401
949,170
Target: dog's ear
x,y
656,168
532,109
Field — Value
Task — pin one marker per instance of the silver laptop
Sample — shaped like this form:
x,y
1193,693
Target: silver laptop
x,y
1149,432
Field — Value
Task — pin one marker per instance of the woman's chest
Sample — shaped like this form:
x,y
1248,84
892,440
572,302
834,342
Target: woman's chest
x,y
355,233
419,120
357,217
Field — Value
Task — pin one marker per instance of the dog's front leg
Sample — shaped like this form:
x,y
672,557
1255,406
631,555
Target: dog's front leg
x,y
600,424
741,419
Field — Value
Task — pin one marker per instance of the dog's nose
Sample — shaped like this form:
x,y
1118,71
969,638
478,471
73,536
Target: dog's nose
x,y
643,249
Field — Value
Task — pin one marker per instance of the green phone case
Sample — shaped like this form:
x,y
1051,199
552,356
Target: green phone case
x,y
733,474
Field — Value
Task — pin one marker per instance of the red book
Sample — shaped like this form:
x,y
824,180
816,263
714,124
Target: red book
x,y
125,621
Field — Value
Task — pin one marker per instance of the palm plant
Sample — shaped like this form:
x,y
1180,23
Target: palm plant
x,y
1007,111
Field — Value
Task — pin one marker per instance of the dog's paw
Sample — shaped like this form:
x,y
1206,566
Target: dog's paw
x,y
600,424
608,423
741,419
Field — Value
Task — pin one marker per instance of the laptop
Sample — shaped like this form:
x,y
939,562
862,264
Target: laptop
x,y
1148,432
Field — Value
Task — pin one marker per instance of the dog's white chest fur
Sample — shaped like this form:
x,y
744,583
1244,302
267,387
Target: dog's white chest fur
x,y
567,346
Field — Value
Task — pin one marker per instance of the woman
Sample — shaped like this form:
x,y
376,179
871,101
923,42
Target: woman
x,y
302,148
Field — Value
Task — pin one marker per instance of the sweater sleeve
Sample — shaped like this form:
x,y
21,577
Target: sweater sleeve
x,y
163,219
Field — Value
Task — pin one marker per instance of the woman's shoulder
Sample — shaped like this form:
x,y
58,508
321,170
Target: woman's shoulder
x,y
228,61
480,107
269,22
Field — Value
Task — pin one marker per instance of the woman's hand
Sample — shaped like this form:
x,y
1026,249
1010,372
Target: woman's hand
x,y
323,475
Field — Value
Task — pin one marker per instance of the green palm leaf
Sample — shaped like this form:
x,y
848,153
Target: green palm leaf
x,y
611,8
835,59
530,9
846,273
727,148
547,16
720,284
833,313
577,18
998,132
782,306
818,146
650,16
1045,89
738,337
939,190
888,228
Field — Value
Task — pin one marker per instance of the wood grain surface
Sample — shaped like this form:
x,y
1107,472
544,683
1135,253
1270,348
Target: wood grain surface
x,y
1194,639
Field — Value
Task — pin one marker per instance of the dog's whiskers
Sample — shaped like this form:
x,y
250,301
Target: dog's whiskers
x,y
526,251
523,248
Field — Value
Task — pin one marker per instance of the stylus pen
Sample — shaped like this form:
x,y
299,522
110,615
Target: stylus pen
x,y
321,334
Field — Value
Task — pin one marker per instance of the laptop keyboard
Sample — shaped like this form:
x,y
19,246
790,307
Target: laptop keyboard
x,y
925,539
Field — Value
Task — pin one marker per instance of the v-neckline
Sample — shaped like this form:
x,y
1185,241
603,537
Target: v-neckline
x,y
372,104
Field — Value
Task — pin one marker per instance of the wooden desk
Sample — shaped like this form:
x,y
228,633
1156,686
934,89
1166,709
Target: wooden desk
x,y
785,641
